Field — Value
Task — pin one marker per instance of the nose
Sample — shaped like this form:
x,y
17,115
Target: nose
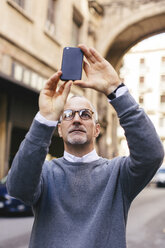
x,y
76,118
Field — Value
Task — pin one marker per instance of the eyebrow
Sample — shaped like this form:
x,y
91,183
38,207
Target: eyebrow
x,y
78,109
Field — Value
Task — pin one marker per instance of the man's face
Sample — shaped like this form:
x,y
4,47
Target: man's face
x,y
78,131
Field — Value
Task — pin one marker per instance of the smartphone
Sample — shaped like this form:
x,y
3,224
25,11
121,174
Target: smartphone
x,y
72,61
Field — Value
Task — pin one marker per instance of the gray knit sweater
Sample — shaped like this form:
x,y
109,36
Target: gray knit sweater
x,y
79,205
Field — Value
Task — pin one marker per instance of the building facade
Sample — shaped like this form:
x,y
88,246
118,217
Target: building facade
x,y
32,37
144,73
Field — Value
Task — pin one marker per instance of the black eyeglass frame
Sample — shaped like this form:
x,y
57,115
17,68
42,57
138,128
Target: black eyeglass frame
x,y
74,113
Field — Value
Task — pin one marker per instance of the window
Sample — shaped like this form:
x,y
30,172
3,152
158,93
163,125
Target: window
x,y
142,61
141,80
24,7
50,21
163,60
76,27
21,3
162,99
162,78
141,100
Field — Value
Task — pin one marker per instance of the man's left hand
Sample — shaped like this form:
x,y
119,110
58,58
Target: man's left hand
x,y
101,76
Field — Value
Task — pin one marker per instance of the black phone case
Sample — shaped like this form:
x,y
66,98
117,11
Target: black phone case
x,y
72,64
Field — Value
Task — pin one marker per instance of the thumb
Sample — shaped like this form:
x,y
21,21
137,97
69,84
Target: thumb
x,y
81,83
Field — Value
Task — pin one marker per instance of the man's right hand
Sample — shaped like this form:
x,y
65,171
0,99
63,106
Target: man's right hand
x,y
51,100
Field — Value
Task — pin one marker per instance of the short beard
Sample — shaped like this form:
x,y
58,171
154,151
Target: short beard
x,y
77,140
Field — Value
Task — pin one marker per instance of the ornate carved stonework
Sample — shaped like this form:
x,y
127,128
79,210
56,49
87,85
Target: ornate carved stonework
x,y
129,3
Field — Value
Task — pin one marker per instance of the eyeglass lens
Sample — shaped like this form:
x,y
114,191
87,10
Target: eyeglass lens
x,y
84,114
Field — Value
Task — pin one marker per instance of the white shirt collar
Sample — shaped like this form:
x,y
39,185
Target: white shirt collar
x,y
90,157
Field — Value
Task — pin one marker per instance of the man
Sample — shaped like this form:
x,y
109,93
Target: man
x,y
82,200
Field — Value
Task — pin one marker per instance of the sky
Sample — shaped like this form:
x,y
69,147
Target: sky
x,y
154,42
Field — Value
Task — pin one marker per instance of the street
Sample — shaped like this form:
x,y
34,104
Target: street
x,y
145,228
15,231
146,222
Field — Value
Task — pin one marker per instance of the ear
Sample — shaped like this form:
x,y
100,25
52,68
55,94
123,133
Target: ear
x,y
97,130
59,130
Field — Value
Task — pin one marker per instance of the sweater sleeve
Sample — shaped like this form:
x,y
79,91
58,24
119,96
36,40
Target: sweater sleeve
x,y
24,179
146,150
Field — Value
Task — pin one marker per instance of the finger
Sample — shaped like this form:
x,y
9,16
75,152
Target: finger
x,y
81,83
65,88
97,55
86,67
87,53
52,82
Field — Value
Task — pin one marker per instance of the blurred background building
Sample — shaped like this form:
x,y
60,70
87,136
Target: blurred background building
x,y
32,37
143,71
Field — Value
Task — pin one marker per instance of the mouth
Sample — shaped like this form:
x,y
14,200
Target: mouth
x,y
77,131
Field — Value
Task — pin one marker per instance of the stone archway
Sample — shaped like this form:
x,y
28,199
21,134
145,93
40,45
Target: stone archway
x,y
129,30
117,34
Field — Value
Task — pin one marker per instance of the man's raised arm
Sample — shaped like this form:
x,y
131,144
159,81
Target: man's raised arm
x,y
146,150
25,177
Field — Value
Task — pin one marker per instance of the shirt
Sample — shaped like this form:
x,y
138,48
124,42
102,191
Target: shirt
x,y
87,158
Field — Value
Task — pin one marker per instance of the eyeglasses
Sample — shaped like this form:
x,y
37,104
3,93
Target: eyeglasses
x,y
84,114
